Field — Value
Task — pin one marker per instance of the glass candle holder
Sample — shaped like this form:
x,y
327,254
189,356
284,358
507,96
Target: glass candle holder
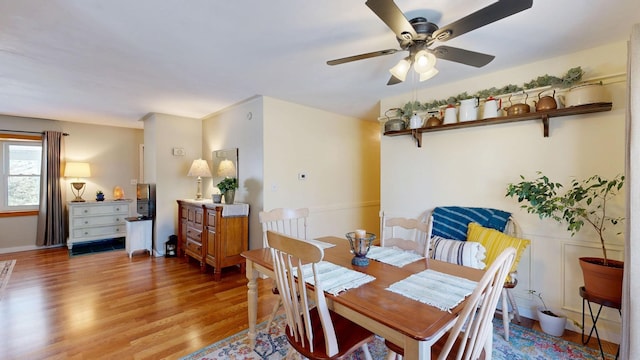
x,y
360,247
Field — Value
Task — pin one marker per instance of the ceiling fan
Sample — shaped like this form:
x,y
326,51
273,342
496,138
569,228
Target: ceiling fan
x,y
418,34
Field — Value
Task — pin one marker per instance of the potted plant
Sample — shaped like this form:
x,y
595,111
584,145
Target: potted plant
x,y
584,202
228,188
551,322
99,195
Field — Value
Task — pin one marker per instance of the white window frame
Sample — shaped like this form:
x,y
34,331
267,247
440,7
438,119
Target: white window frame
x,y
5,142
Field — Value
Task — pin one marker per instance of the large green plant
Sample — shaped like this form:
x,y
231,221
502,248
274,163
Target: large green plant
x,y
583,202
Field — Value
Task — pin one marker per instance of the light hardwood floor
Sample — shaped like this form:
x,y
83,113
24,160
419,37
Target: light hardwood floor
x,y
105,306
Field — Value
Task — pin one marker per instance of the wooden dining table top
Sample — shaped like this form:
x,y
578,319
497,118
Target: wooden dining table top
x,y
400,313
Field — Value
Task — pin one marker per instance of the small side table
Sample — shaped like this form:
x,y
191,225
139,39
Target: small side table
x,y
589,298
139,235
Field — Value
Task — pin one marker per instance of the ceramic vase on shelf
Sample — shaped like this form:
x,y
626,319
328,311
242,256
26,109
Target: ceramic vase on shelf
x,y
228,196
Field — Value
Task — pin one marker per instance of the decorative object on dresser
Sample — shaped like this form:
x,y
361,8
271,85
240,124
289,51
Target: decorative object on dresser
x,y
199,168
213,234
99,195
228,188
77,170
91,220
118,193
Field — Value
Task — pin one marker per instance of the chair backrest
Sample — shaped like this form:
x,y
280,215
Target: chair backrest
x,y
477,316
292,222
289,254
406,234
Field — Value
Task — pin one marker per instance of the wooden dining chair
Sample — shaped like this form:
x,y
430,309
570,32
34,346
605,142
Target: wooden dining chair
x,y
406,234
314,332
292,222
472,333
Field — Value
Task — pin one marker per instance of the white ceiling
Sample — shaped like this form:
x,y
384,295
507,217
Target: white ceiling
x,y
113,61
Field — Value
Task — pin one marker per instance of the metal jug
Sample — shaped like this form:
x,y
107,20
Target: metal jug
x,y
469,109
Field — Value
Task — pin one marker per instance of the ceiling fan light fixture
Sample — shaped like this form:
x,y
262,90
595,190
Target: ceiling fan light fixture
x,y
428,74
424,61
401,69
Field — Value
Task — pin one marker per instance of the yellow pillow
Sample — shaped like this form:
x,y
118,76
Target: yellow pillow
x,y
495,242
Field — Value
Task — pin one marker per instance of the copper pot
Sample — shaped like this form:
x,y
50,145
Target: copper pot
x,y
546,102
433,121
518,109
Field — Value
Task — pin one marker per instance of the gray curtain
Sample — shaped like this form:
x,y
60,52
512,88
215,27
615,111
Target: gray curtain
x,y
51,224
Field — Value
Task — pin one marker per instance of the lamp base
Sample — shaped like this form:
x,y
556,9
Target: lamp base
x,y
79,190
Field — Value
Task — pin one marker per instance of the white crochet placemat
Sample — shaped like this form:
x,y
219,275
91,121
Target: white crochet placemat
x,y
434,288
335,278
393,256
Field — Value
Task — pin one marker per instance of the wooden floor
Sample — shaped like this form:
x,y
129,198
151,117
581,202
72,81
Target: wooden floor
x,y
106,306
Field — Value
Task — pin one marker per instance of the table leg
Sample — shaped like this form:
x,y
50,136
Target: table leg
x,y
417,350
252,302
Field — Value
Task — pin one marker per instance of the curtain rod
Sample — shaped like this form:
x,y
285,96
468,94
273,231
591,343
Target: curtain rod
x,y
27,132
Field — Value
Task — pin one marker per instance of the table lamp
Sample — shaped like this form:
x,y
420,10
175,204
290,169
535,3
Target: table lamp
x,y
199,168
77,170
226,169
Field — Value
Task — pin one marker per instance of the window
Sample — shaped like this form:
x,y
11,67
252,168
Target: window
x,y
20,174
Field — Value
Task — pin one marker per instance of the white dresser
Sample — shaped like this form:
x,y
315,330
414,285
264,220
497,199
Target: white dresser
x,y
96,220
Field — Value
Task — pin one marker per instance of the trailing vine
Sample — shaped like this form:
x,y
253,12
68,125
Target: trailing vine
x,y
573,76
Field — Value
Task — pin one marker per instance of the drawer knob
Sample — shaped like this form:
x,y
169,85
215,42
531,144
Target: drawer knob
x,y
86,211
117,219
86,222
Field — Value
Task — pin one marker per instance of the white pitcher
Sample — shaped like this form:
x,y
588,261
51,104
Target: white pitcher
x,y
469,109
450,115
491,107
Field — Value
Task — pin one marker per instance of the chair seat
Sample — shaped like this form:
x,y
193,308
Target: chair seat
x,y
436,348
350,337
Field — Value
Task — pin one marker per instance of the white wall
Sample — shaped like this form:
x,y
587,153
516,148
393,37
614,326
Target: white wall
x,y
111,151
473,166
163,133
340,156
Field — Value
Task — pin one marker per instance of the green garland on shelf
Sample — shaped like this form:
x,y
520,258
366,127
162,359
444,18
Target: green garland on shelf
x,y
572,77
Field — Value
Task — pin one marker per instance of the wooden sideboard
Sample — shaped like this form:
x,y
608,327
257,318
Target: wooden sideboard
x,y
213,235
96,220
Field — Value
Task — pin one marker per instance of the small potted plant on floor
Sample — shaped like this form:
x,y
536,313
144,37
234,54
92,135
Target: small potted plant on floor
x,y
228,188
584,202
552,323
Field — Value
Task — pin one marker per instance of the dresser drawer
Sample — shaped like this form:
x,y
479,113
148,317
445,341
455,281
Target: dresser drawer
x,y
195,234
195,215
90,221
100,210
194,247
115,231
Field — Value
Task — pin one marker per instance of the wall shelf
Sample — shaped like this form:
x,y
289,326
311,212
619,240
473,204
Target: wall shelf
x,y
544,116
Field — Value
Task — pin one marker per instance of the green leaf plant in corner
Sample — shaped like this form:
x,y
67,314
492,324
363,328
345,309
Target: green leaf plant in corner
x,y
583,202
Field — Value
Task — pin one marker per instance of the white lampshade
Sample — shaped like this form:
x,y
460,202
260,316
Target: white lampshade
x,y
401,69
428,74
424,61
199,167
77,170
226,168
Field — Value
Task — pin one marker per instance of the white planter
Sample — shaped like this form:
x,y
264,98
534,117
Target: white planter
x,y
552,325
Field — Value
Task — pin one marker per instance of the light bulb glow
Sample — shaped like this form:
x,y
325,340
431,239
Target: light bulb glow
x,y
428,74
401,69
424,61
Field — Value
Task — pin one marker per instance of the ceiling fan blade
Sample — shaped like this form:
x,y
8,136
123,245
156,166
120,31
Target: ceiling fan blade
x,y
393,80
462,56
391,15
494,12
361,56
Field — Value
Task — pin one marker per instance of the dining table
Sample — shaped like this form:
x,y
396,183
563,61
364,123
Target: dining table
x,y
410,324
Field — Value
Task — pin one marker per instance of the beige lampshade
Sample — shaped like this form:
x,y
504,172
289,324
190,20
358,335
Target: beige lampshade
x,y
226,168
77,170
199,167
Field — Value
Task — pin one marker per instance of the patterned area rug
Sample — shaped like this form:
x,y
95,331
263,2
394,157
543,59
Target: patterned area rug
x,y
6,267
524,344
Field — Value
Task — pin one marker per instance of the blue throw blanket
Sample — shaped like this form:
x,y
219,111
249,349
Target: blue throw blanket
x,y
451,222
